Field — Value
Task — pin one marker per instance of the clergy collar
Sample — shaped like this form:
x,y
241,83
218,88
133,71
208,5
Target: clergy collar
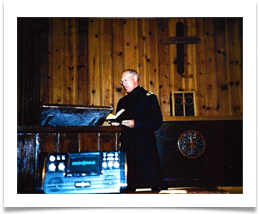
x,y
135,89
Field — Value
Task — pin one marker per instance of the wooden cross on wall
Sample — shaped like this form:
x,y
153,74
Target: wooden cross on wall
x,y
180,40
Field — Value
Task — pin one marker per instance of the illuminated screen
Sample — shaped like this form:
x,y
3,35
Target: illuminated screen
x,y
84,163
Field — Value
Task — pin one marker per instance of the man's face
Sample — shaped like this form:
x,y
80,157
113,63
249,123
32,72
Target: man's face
x,y
129,81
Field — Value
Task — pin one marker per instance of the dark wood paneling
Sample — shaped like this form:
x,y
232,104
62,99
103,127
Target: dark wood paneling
x,y
221,162
105,142
85,142
32,58
32,148
68,142
26,165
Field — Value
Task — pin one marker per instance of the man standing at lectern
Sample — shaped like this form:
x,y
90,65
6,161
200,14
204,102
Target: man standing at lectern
x,y
142,116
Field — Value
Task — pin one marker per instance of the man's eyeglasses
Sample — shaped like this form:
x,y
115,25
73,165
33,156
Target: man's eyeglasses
x,y
126,79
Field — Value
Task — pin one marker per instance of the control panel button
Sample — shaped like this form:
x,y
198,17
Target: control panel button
x,y
61,166
104,165
116,164
52,167
52,158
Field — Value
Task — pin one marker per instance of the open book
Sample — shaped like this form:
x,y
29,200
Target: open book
x,y
113,118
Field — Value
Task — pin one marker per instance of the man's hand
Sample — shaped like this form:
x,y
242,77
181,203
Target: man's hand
x,y
129,123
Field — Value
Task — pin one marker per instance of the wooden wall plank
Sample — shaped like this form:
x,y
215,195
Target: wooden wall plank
x,y
68,67
44,76
152,60
187,70
164,71
94,89
105,142
50,59
191,62
57,77
178,81
68,142
191,57
210,67
135,46
142,51
233,66
128,43
222,81
86,142
73,84
82,66
239,32
106,61
48,142
200,65
118,61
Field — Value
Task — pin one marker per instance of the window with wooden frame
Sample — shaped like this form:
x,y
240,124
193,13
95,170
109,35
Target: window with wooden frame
x,y
183,103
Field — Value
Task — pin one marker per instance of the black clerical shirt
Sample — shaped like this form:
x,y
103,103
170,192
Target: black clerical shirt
x,y
139,142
